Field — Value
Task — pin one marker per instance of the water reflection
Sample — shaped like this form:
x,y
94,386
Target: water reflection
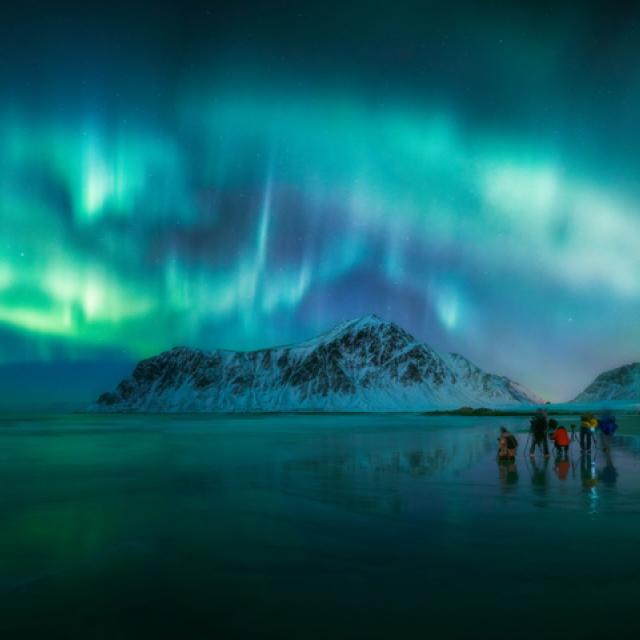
x,y
596,475
508,473
298,507
589,479
588,474
429,455
562,467
608,475
539,474
453,455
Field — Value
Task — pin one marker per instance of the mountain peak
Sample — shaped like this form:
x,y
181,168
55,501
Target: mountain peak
x,y
366,328
369,320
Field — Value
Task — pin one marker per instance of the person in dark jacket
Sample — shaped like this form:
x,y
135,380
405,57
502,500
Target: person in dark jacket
x,y
539,428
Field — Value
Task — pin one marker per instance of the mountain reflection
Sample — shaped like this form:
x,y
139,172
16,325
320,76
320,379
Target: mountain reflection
x,y
436,454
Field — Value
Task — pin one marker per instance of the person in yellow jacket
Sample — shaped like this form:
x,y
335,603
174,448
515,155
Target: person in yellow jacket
x,y
588,425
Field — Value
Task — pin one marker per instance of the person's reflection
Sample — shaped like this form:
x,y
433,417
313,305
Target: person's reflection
x,y
562,467
539,474
608,475
588,473
508,472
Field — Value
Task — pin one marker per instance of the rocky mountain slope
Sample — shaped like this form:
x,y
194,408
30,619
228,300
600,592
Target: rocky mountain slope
x,y
366,364
622,383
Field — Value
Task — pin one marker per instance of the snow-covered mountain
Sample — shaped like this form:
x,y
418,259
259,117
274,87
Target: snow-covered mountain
x,y
622,383
366,364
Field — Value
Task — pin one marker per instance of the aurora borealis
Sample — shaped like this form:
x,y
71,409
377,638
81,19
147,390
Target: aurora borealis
x,y
247,176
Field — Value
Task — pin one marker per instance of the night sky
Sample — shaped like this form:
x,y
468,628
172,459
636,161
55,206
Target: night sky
x,y
248,175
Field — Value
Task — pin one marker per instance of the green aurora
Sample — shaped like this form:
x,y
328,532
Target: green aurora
x,y
485,197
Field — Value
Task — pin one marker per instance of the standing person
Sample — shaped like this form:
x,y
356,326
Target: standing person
x,y
608,426
561,439
539,428
588,424
508,445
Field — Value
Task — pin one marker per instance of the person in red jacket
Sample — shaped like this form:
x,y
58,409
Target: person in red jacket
x,y
561,439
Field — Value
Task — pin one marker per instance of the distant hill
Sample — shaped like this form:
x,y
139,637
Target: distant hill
x,y
366,364
622,383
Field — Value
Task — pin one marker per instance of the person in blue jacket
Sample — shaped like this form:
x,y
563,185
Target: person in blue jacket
x,y
607,425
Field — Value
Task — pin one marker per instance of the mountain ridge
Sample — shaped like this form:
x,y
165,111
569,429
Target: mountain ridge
x,y
619,383
364,364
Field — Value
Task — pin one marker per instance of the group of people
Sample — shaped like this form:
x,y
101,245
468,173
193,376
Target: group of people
x,y
543,430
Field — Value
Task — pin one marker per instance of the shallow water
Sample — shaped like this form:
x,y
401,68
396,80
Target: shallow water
x,y
310,526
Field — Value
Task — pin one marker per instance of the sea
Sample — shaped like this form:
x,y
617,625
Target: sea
x,y
312,526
